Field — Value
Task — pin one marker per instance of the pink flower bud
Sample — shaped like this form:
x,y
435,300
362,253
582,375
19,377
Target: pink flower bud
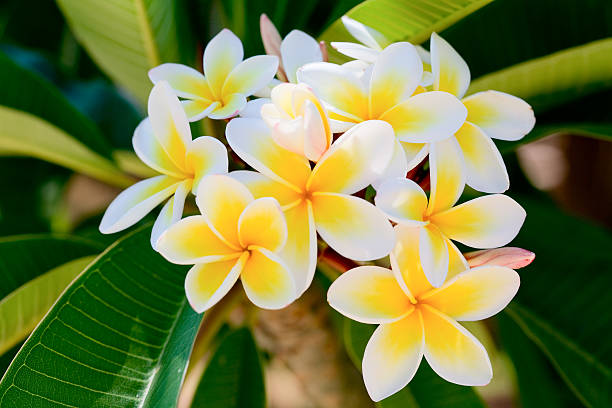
x,y
272,43
510,257
324,51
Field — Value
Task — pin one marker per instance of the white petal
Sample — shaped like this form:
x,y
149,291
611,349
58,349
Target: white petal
x,y
447,175
357,51
364,34
298,49
433,253
185,81
499,115
151,152
231,107
252,109
352,226
250,75
198,109
398,166
403,201
450,72
221,55
267,281
171,212
136,201
206,155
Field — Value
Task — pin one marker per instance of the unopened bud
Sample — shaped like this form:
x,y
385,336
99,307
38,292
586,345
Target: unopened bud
x,y
272,42
323,51
510,257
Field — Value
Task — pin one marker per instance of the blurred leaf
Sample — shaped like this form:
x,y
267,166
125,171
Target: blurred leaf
x,y
554,79
405,20
127,38
563,304
538,384
25,257
26,91
22,309
23,134
234,376
426,389
120,335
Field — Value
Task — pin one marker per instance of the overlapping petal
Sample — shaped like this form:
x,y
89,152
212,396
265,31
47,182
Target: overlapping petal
x,y
171,212
499,115
426,117
151,152
485,222
232,105
395,75
352,226
207,283
263,186
191,241
222,199
476,294
185,81
221,55
251,140
415,153
484,167
433,253
267,281
447,175
298,49
403,201
355,160
393,355
450,71
397,167
369,294
250,75
205,155
263,224
197,109
406,263
364,34
453,352
133,203
357,51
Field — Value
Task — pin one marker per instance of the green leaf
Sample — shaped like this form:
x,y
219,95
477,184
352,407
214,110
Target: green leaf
x,y
554,79
23,308
120,335
405,20
538,384
563,304
127,38
426,389
24,134
25,257
25,91
234,376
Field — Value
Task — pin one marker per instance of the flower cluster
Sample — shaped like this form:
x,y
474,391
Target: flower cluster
x,y
320,138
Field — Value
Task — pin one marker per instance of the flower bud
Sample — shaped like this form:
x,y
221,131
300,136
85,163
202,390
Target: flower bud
x,y
510,257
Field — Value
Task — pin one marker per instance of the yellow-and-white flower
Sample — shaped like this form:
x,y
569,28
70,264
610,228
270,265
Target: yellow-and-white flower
x,y
417,320
319,199
389,90
490,114
163,142
486,222
227,81
298,120
236,237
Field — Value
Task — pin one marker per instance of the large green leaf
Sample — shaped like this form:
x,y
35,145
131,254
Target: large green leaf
x,y
563,304
126,38
25,257
24,134
25,91
426,389
120,335
554,79
405,20
22,309
234,376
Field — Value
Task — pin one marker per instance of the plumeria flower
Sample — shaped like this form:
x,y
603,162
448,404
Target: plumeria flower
x,y
491,114
163,142
372,44
298,121
389,91
294,51
319,199
236,237
485,222
227,81
416,319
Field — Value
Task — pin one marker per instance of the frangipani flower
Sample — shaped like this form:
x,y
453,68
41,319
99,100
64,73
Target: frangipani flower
x,y
298,121
417,320
236,237
319,200
485,222
490,114
389,92
372,44
163,142
295,50
227,81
